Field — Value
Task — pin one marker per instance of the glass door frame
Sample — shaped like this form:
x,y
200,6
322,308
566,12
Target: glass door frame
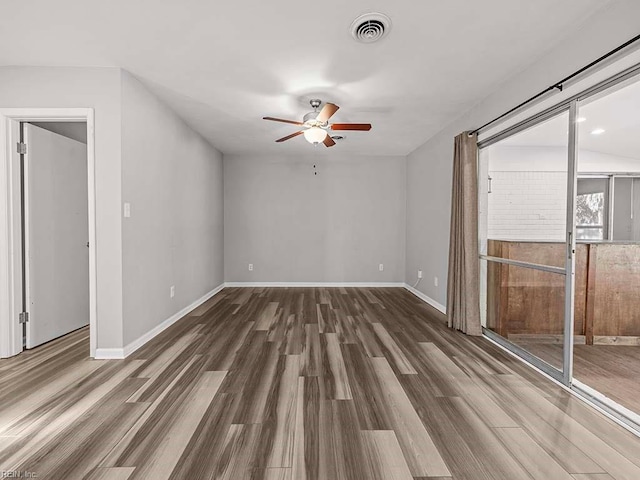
x,y
570,258
565,375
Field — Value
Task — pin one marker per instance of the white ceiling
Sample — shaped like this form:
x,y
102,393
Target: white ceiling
x,y
614,111
224,65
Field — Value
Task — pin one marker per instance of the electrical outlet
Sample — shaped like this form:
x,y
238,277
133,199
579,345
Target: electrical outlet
x,y
381,267
419,273
172,291
435,281
251,267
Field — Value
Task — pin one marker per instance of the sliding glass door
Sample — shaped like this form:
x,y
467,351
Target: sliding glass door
x,y
559,230
525,183
608,164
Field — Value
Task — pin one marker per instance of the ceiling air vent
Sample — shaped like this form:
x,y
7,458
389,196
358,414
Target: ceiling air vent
x,y
370,27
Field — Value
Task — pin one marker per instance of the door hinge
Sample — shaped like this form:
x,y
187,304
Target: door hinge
x,y
22,148
23,317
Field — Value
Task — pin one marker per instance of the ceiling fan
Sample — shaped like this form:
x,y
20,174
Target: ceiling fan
x,y
315,125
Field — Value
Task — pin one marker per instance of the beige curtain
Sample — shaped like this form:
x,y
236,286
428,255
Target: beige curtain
x,y
463,292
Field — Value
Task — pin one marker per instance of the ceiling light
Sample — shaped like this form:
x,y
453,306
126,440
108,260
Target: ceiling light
x,y
598,131
315,135
581,119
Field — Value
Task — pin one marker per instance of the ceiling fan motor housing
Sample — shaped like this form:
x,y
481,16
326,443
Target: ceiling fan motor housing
x,y
310,119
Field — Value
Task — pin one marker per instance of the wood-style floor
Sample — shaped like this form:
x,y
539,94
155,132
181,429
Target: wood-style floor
x,y
613,370
300,384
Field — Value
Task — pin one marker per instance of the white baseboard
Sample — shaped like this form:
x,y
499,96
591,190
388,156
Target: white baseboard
x,y
315,284
109,354
426,298
120,353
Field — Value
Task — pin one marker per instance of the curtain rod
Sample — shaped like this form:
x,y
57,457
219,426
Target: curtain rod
x,y
560,84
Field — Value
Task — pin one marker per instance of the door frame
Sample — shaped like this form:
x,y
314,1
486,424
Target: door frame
x,y
562,374
10,221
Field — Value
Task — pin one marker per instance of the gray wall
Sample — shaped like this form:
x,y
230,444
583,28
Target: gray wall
x,y
173,180
428,215
294,226
429,166
97,88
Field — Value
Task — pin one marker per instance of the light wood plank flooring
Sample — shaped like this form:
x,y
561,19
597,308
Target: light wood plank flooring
x,y
297,384
613,370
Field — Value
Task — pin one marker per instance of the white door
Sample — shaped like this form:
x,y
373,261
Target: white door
x,y
56,235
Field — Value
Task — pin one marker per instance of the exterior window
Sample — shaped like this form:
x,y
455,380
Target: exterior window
x,y
590,216
592,209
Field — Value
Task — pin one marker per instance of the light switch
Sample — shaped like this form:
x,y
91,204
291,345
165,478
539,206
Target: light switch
x,y
127,210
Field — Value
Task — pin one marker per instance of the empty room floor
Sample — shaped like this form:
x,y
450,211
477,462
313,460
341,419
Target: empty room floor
x,y
301,383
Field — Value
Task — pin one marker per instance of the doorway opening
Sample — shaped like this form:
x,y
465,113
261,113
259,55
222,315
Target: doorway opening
x,y
55,230
47,232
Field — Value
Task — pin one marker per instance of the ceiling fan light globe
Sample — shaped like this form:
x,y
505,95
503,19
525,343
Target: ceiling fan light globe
x,y
315,135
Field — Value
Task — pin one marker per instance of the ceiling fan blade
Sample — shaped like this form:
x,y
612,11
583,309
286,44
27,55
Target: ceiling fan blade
x,y
327,111
365,127
328,141
282,120
289,136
